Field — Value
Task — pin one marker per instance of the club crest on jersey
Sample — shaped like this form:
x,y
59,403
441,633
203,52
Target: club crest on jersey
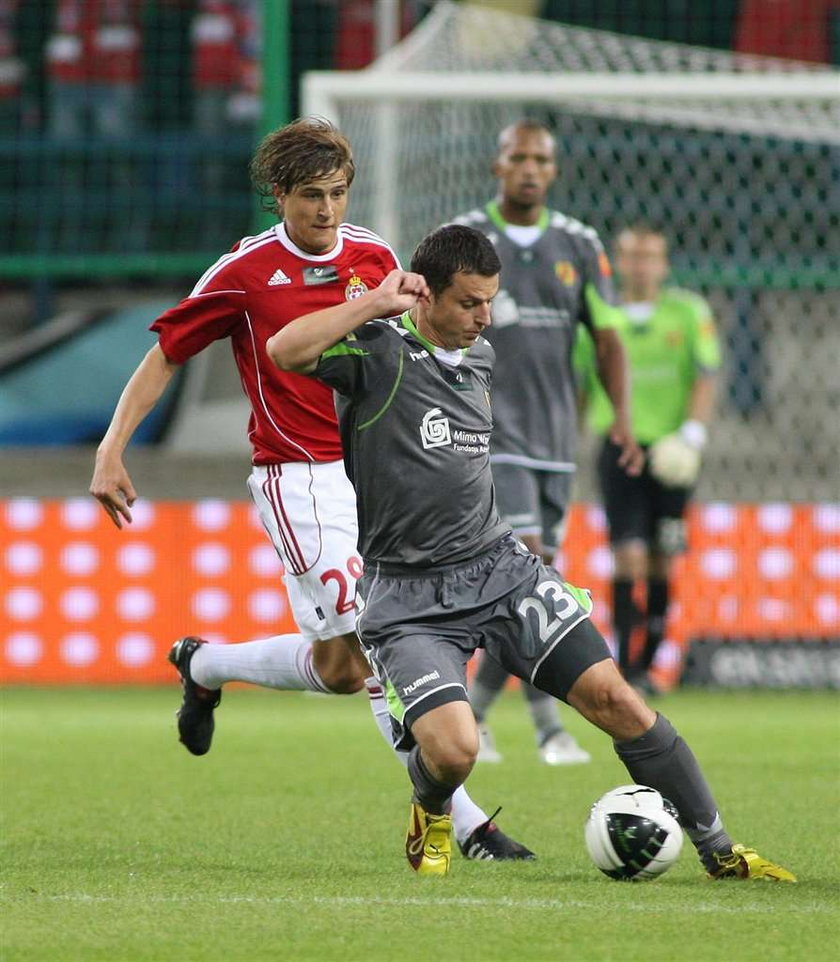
x,y
434,430
565,273
355,288
604,265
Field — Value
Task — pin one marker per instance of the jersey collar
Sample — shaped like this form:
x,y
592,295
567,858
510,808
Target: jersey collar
x,y
281,234
495,216
433,349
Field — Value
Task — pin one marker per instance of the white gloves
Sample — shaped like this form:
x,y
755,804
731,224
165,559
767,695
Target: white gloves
x,y
675,459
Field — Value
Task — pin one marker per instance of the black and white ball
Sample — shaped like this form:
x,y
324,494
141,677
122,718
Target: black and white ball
x,y
632,833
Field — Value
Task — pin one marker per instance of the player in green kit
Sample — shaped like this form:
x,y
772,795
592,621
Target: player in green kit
x,y
673,353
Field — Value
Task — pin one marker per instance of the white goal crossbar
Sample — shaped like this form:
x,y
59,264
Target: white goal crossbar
x,y
323,90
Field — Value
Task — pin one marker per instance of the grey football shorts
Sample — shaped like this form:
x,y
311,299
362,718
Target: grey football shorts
x,y
531,501
419,630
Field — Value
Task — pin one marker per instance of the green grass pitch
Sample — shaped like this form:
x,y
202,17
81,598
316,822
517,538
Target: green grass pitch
x,y
285,842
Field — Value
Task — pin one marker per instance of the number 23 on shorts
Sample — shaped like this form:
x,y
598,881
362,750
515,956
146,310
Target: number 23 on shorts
x,y
554,609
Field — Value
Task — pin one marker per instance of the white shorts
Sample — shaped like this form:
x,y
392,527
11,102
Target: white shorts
x,y
309,512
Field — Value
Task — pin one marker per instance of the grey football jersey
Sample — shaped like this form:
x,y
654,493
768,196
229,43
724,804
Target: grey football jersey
x,y
416,438
547,288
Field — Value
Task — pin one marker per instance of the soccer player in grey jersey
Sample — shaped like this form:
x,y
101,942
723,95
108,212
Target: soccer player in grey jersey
x,y
443,575
555,276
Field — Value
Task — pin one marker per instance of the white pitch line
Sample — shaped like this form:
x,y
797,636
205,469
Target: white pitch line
x,y
419,901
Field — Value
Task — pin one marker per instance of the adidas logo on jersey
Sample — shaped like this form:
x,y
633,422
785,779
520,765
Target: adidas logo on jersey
x,y
278,277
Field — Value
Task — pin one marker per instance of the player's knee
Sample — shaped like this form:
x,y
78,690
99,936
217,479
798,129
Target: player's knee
x,y
448,738
631,559
339,670
609,702
454,761
621,711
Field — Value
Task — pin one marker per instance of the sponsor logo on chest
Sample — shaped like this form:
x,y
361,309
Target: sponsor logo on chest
x,y
436,432
314,276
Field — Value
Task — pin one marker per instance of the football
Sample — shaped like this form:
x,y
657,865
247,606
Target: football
x,y
632,833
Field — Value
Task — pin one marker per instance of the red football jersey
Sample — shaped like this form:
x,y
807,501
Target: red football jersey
x,y
247,295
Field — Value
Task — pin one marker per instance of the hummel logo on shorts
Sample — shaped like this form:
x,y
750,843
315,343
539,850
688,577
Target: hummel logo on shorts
x,y
278,277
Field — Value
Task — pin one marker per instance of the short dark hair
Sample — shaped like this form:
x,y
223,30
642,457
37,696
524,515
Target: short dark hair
x,y
524,125
644,228
454,249
304,150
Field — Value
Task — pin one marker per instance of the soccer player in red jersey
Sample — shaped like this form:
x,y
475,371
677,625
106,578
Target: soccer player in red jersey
x,y
309,261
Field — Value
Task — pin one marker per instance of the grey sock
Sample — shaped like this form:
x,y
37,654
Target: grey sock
x,y
434,796
544,713
661,759
488,681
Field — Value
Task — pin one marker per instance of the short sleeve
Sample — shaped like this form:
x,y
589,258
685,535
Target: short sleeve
x,y
599,291
706,343
198,320
340,366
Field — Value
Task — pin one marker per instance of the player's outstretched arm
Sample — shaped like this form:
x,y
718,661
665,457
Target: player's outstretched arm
x,y
299,345
111,484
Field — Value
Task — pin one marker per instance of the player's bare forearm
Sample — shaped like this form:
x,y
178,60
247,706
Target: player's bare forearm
x,y
299,345
613,373
701,404
111,484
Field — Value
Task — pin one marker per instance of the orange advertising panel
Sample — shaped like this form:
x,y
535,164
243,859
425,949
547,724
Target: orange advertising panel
x,y
81,602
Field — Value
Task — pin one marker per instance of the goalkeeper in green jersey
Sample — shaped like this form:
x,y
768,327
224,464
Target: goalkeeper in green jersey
x,y
673,353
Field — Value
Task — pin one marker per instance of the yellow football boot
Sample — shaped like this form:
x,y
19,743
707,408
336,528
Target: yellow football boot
x,y
746,863
428,842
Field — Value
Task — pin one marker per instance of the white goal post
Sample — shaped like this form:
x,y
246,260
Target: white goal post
x,y
482,57
735,157
708,101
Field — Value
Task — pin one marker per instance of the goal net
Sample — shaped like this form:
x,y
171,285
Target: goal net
x,y
736,157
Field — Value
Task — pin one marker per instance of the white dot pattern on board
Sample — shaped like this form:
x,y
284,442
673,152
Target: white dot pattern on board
x,y
775,563
79,558
719,563
264,563
774,518
24,603
266,605
24,514
135,604
827,564
211,559
135,649
80,514
79,649
826,518
718,517
79,604
136,559
211,604
24,558
211,515
24,648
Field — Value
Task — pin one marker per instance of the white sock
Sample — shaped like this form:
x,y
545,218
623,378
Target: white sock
x,y
466,815
284,661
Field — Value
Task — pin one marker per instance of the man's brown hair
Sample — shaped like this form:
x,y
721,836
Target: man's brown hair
x,y
304,150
